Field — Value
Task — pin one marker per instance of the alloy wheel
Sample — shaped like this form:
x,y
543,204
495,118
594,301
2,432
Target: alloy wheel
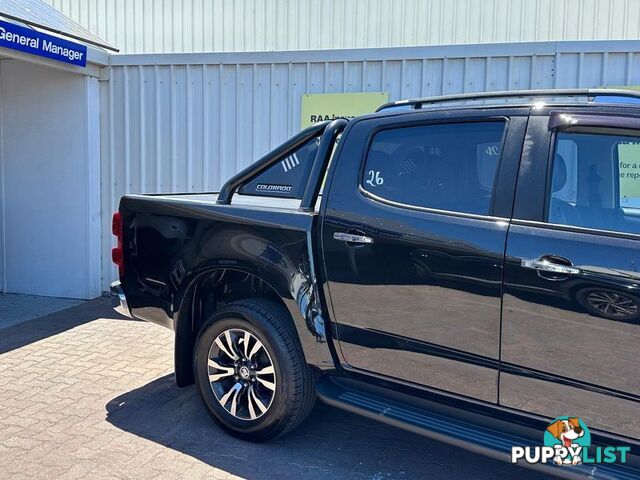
x,y
241,374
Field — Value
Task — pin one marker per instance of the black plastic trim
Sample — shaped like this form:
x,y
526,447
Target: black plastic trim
x,y
567,119
490,431
271,158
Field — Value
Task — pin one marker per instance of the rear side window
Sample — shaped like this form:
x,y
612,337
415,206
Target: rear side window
x,y
288,177
447,166
595,181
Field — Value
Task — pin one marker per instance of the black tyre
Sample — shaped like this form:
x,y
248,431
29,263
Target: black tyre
x,y
250,370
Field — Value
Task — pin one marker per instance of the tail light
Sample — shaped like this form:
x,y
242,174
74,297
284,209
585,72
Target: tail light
x,y
117,254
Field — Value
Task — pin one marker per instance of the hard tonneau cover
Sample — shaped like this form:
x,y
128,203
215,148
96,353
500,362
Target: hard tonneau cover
x,y
212,199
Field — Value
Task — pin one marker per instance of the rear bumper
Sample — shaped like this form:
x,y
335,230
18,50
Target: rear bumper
x,y
118,300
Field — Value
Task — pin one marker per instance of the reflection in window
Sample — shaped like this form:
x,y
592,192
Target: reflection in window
x,y
595,182
448,167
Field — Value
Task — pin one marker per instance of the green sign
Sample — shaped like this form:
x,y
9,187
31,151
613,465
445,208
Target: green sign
x,y
318,107
629,158
635,88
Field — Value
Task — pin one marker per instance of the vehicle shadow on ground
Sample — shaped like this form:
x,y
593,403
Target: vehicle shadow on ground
x,y
330,444
30,331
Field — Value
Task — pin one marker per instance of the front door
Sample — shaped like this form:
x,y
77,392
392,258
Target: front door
x,y
571,312
414,249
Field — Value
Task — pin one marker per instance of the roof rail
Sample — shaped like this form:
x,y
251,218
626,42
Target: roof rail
x,y
590,93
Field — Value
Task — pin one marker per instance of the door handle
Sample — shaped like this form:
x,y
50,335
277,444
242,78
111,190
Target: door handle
x,y
546,265
352,238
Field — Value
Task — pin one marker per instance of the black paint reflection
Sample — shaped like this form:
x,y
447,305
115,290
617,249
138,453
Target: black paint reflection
x,y
581,327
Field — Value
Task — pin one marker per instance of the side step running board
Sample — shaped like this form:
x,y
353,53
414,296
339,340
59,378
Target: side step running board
x,y
464,429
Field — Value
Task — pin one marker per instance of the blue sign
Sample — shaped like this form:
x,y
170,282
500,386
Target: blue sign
x,y
31,41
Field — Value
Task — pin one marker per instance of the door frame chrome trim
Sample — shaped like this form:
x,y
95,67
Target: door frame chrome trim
x,y
574,229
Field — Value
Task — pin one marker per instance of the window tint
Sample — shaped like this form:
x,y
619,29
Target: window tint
x,y
288,177
595,181
448,167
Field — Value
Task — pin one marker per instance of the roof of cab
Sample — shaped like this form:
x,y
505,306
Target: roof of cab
x,y
514,98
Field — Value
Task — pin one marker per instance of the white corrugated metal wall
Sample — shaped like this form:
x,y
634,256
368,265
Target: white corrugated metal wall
x,y
188,122
154,26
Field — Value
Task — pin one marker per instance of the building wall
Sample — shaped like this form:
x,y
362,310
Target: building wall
x,y
173,26
187,122
49,159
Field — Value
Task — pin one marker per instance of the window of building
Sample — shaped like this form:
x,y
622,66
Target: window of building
x,y
447,166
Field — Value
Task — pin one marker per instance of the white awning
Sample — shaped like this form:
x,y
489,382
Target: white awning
x,y
41,15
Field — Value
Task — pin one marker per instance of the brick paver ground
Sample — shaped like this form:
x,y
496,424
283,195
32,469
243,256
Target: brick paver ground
x,y
17,308
86,394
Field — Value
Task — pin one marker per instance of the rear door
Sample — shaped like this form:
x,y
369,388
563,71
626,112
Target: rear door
x,y
571,307
413,240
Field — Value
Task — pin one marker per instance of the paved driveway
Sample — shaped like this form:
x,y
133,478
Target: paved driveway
x,y
86,394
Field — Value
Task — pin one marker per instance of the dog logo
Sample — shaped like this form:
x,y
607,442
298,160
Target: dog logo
x,y
567,442
571,435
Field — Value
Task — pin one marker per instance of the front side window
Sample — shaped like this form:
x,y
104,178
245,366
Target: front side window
x,y
595,181
446,167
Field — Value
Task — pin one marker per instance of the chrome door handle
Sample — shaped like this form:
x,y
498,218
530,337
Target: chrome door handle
x,y
547,266
352,238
